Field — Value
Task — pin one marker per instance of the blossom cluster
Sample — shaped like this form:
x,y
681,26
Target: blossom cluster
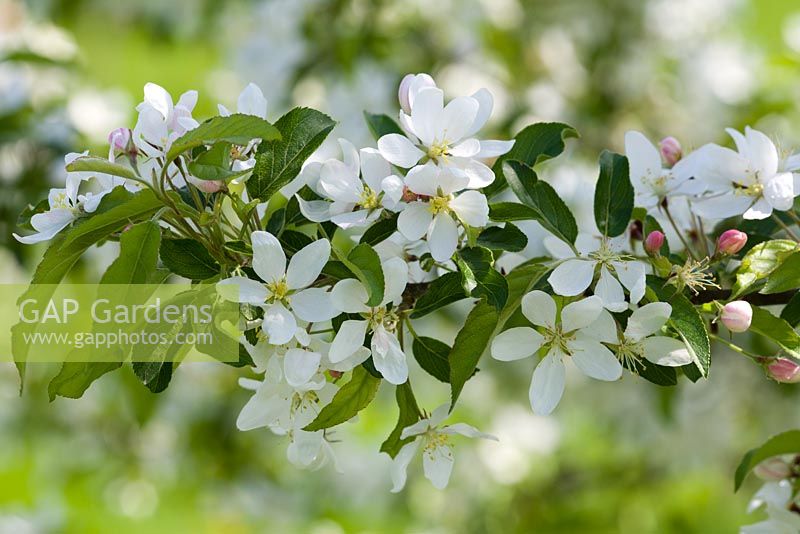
x,y
332,262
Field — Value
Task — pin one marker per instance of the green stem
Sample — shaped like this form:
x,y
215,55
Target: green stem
x,y
786,229
736,348
677,231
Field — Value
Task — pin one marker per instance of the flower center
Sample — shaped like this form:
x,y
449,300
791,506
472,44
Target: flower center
x,y
278,289
439,204
604,255
383,317
753,190
559,339
368,199
630,353
694,275
301,399
438,150
61,201
434,440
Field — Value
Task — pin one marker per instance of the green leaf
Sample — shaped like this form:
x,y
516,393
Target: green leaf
x,y
138,256
74,378
548,208
364,262
380,125
791,312
409,414
656,374
293,241
380,231
348,401
759,263
785,277
188,258
237,129
432,355
480,277
783,443
116,210
156,376
102,166
441,292
688,324
279,162
776,330
508,237
613,197
521,280
470,344
532,145
511,211
215,164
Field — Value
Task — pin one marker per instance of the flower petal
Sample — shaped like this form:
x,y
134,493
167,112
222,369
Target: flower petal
x,y
456,120
338,182
252,102
547,385
437,464
307,263
400,465
374,168
263,408
580,314
572,277
761,152
299,366
516,343
241,289
647,320
348,340
467,148
349,296
443,237
666,351
314,305
494,148
604,329
395,278
610,291
426,115
388,357
633,276
485,105
595,360
269,261
424,179
644,158
279,324
779,191
414,220
467,430
398,150
472,208
314,210
540,309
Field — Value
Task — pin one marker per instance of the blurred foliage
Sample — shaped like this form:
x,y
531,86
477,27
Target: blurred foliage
x,y
616,458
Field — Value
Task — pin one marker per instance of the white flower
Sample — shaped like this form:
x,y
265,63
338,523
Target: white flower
x,y
160,121
410,86
438,209
576,272
347,350
285,294
251,102
437,454
563,337
777,496
637,341
443,134
352,200
747,182
67,204
651,181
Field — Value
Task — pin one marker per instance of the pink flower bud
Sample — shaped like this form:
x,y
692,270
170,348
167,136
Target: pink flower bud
x,y
784,370
410,86
731,241
207,186
671,150
654,242
119,139
773,469
736,315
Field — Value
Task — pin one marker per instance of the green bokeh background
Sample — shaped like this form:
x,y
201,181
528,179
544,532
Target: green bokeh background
x,y
626,457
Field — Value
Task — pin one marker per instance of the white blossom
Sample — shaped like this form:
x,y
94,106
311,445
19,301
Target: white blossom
x,y
437,454
284,295
563,336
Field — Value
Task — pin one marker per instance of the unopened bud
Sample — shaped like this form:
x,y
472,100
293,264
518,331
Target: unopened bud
x,y
736,315
671,150
120,140
784,370
654,242
207,186
410,86
335,374
773,469
731,241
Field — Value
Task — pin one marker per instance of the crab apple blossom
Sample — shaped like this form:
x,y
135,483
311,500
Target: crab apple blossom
x,y
350,296
357,189
747,182
410,85
575,273
437,453
653,242
443,134
784,370
737,315
440,207
283,292
161,121
651,181
731,241
565,337
671,150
